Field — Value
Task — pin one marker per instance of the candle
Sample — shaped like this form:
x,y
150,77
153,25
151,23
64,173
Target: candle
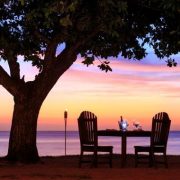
x,y
65,121
65,114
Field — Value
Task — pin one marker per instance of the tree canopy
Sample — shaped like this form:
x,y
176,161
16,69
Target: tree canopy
x,y
91,28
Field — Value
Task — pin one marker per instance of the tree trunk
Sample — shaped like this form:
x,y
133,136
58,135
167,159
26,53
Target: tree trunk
x,y
22,142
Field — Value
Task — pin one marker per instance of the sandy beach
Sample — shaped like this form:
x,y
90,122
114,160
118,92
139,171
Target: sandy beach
x,y
67,168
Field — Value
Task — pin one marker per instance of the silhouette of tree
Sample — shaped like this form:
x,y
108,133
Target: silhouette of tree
x,y
90,28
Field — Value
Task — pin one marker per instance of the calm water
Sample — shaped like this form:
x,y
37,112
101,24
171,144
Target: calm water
x,y
52,143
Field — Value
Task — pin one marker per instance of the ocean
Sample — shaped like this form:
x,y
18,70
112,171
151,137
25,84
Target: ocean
x,y
52,143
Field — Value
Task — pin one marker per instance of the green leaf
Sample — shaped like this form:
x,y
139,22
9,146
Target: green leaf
x,y
172,32
88,60
22,2
171,62
72,6
105,67
65,21
36,61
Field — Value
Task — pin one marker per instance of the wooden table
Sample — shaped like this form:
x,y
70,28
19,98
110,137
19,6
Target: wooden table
x,y
124,135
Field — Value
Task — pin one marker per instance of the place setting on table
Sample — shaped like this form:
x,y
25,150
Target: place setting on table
x,y
124,133
123,126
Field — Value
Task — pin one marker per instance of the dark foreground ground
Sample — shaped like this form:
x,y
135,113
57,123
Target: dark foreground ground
x,y
66,168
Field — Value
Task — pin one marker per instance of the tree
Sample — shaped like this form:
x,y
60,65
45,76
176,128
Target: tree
x,y
90,28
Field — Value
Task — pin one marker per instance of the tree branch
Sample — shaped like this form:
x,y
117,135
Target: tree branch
x,y
83,41
47,79
10,85
49,56
54,66
14,68
40,36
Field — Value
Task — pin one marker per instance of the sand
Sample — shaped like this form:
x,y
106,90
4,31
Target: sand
x,y
66,168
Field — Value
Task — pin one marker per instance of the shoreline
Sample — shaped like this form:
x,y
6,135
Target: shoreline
x,y
66,168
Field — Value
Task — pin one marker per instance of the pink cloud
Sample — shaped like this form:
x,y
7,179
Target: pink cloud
x,y
126,79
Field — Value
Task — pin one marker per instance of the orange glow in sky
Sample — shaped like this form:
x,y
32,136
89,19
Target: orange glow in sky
x,y
135,90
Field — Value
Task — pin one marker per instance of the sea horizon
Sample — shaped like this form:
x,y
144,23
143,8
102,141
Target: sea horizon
x,y
52,143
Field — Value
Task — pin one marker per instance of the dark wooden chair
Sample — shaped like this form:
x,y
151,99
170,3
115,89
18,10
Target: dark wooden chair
x,y
87,123
158,144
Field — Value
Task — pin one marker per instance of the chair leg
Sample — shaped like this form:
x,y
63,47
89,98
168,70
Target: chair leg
x,y
136,158
80,158
95,159
151,159
165,160
110,159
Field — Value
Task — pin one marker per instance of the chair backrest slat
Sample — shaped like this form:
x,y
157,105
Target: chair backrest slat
x,y
160,129
87,123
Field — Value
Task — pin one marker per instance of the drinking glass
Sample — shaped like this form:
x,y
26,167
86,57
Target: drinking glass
x,y
137,125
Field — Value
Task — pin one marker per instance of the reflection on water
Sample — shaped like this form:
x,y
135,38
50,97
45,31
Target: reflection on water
x,y
52,143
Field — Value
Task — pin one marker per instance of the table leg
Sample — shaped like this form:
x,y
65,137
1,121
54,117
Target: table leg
x,y
123,150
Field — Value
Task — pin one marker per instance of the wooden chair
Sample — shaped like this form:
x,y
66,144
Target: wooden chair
x,y
87,123
158,144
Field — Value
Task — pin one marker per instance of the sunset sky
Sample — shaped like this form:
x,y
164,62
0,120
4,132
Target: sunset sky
x,y
137,90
